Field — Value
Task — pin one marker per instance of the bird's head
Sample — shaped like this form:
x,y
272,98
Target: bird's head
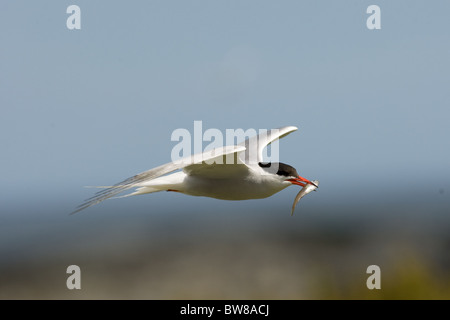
x,y
289,173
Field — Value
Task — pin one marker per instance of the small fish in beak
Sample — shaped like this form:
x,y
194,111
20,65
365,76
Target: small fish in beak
x,y
303,192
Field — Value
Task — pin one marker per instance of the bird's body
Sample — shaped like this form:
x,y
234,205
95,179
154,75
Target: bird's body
x,y
228,173
248,186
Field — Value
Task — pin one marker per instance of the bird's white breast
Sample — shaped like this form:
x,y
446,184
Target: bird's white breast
x,y
247,187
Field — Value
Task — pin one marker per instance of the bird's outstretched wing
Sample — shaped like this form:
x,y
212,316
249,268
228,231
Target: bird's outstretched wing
x,y
255,145
226,168
241,162
134,181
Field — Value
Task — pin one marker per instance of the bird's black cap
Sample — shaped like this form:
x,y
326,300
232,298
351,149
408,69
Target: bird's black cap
x,y
279,168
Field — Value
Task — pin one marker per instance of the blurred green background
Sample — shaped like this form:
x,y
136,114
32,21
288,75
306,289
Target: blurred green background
x,y
221,251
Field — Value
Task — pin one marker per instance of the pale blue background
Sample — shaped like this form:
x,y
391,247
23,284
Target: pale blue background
x,y
95,106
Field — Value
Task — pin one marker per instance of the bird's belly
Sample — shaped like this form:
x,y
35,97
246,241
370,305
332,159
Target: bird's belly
x,y
229,189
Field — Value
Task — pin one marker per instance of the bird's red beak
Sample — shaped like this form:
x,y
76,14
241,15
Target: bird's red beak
x,y
300,181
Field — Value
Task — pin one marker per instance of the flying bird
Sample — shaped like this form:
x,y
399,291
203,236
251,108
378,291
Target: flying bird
x,y
212,174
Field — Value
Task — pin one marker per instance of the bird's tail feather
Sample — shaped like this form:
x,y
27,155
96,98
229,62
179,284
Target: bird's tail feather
x,y
141,190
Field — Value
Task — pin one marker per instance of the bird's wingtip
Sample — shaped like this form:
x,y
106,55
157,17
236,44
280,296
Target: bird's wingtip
x,y
288,128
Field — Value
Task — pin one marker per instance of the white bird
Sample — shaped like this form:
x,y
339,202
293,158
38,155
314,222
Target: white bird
x,y
210,174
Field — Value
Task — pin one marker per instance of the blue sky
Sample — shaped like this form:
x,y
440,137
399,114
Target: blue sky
x,y
96,105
